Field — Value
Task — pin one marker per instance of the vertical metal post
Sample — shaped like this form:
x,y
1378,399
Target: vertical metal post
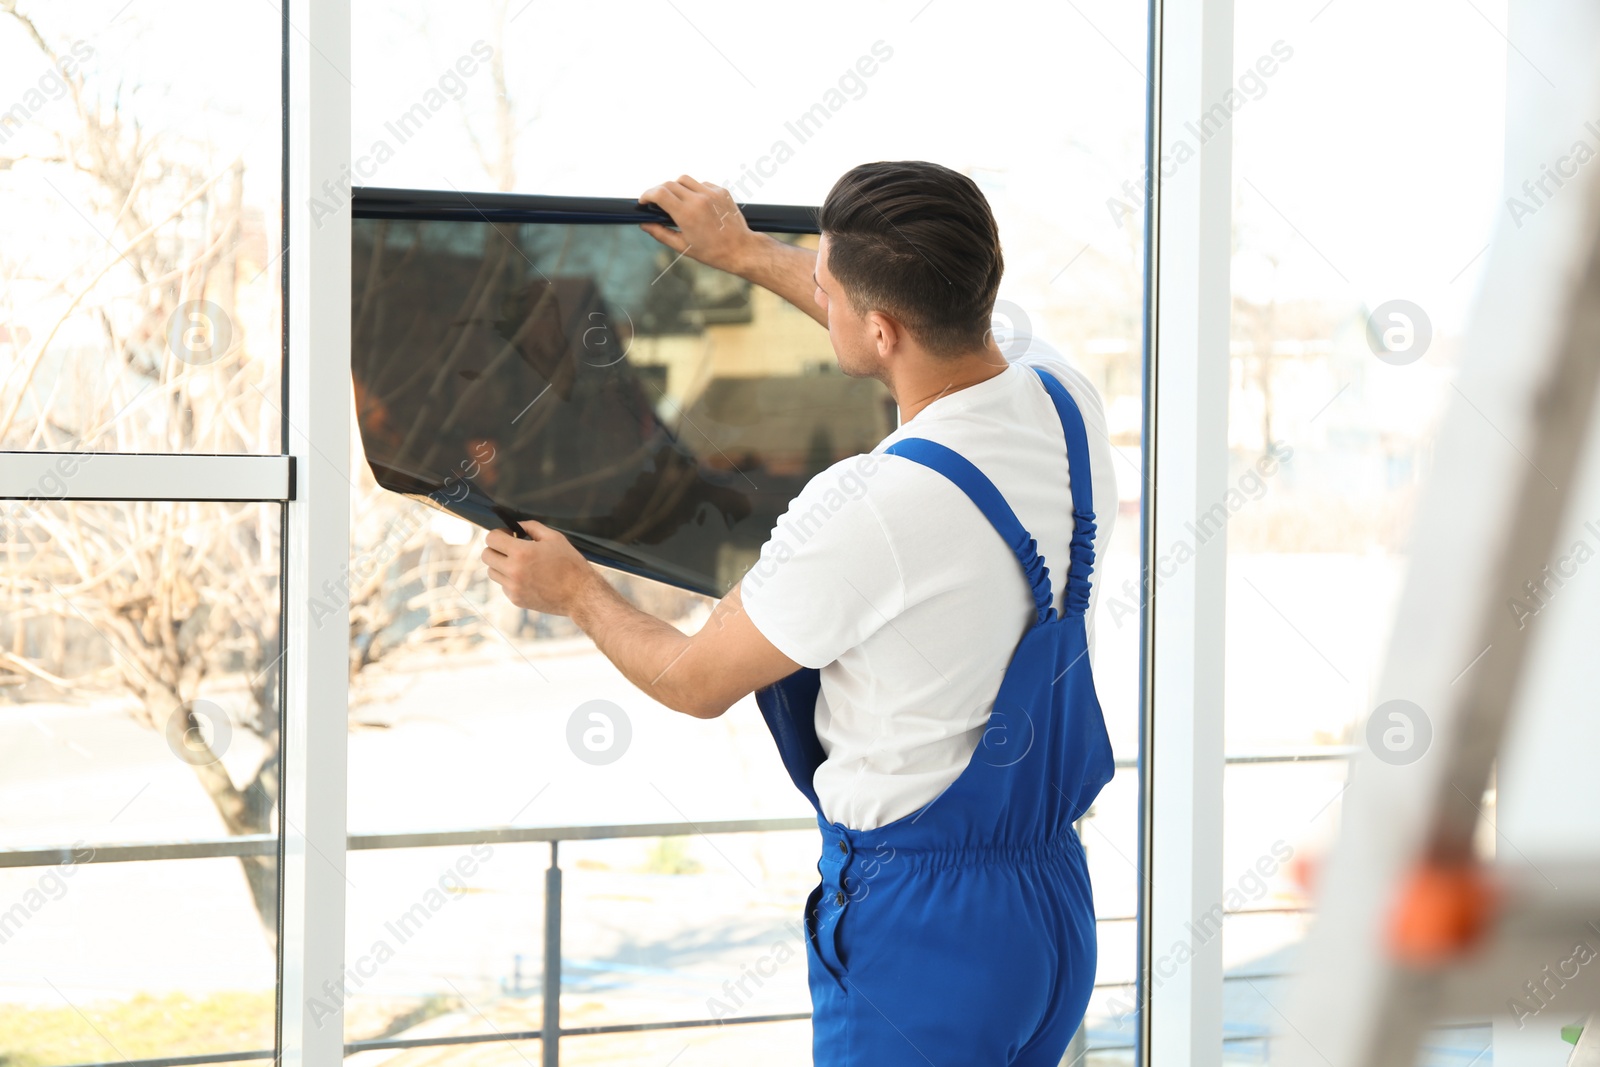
x,y
551,987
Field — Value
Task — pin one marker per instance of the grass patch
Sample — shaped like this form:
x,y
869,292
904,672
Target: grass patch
x,y
146,1026
671,856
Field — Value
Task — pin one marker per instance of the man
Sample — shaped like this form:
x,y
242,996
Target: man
x,y
927,681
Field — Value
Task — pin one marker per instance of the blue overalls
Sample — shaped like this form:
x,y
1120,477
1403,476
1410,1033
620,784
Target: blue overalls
x,y
963,934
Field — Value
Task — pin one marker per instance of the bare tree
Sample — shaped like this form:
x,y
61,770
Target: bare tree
x,y
174,596
501,164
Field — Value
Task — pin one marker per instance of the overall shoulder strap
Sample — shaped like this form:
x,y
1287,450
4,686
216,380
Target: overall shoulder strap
x,y
1076,598
982,492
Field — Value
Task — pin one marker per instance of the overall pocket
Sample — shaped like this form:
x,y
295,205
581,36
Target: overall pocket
x,y
822,928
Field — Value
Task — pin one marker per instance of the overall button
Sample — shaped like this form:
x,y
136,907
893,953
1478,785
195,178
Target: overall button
x,y
839,898
844,847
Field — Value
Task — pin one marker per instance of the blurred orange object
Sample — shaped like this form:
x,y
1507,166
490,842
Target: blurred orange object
x,y
1443,911
1304,871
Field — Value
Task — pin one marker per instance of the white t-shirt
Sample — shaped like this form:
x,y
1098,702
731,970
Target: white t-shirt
x,y
887,577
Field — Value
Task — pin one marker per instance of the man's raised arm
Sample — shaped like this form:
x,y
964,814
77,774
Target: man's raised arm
x,y
712,230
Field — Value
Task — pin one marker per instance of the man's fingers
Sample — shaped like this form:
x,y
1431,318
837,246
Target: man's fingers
x,y
499,544
537,530
690,183
665,196
669,237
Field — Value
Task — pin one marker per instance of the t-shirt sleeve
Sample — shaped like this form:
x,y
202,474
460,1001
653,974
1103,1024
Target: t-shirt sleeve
x,y
827,578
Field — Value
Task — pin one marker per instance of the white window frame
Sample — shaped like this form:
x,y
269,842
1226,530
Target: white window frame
x,y
311,480
1188,212
1186,366
316,433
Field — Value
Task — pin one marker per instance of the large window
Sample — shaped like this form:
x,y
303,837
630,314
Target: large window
x,y
1352,279
140,596
476,699
208,853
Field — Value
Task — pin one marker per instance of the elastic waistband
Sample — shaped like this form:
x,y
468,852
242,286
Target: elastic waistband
x,y
922,850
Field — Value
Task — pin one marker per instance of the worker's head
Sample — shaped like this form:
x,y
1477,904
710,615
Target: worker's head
x,y
908,266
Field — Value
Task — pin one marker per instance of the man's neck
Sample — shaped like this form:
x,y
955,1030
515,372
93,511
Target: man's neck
x,y
933,377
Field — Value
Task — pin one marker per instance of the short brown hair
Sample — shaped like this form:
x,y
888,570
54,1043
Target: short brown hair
x,y
917,241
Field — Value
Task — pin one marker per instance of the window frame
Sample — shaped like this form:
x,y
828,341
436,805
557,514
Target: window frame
x,y
1184,387
1184,445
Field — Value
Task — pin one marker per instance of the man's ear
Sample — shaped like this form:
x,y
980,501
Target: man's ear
x,y
887,334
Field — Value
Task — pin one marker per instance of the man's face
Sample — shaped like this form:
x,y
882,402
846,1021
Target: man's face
x,y
854,336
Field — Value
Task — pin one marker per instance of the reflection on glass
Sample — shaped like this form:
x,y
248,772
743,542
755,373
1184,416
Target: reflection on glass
x,y
660,413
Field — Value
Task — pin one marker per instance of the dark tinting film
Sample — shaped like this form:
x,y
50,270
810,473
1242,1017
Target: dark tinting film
x,y
660,413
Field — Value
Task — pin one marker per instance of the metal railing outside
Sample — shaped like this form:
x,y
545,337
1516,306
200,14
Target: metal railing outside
x,y
551,1032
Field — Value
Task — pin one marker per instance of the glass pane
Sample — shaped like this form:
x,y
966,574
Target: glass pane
x,y
140,648
778,1044
437,935
140,180
454,687
1351,285
660,413
450,941
87,983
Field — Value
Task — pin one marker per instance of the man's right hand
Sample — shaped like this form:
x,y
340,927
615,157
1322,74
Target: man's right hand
x,y
711,227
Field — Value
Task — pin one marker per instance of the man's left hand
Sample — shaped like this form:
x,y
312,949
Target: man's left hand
x,y
545,574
